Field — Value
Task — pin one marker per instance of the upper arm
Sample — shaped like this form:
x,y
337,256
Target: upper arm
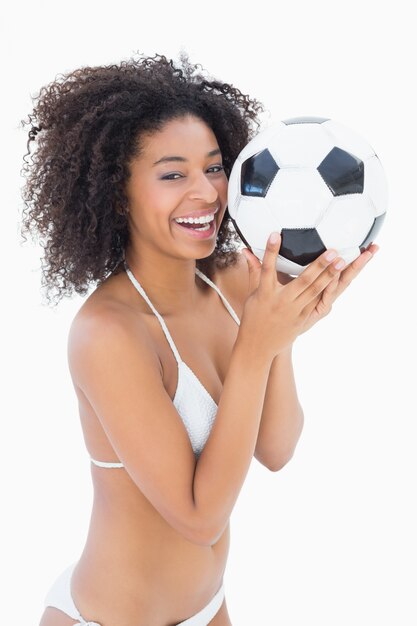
x,y
117,368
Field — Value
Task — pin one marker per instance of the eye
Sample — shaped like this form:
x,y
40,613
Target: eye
x,y
216,168
173,176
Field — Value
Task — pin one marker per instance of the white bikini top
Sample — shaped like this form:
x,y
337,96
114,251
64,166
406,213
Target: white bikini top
x,y
193,402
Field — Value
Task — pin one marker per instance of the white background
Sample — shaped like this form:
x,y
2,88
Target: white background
x,y
330,539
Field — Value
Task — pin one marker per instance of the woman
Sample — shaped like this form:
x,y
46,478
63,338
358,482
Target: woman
x,y
181,356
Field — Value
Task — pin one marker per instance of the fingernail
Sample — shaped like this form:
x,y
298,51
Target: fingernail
x,y
274,237
330,255
340,264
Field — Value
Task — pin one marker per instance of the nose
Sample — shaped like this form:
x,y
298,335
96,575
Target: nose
x,y
203,189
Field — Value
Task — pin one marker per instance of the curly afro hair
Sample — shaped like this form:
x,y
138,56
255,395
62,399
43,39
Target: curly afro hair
x,y
88,124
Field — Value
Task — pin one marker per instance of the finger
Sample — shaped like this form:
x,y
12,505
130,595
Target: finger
x,y
254,269
324,300
268,276
372,248
355,268
329,294
311,282
320,283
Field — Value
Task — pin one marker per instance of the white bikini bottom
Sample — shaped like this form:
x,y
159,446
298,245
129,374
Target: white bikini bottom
x,y
59,596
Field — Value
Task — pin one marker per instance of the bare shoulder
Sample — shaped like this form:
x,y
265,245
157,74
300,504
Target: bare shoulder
x,y
105,322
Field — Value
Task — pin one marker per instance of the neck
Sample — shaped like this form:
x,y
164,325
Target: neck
x,y
170,283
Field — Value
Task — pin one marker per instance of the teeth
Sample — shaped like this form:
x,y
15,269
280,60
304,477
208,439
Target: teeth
x,y
205,227
198,220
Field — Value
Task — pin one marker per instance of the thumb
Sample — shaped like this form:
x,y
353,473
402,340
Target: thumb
x,y
251,259
246,253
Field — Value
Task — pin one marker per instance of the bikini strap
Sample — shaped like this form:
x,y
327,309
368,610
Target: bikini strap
x,y
226,304
106,463
160,318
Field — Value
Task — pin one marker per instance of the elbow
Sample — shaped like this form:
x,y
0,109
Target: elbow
x,y
278,460
207,541
279,463
207,537
210,539
202,539
274,462
194,532
196,535
206,533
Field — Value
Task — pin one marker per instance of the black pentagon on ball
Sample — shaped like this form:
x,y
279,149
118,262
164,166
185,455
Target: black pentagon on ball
x,y
374,230
257,174
342,172
305,120
301,245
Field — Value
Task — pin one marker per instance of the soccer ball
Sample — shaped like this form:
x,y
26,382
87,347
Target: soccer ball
x,y
314,180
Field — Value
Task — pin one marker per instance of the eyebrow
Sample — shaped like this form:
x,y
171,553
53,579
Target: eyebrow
x,y
167,159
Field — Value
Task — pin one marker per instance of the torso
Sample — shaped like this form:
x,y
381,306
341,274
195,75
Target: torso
x,y
133,558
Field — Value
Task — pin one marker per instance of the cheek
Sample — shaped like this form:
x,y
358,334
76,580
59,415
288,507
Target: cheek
x,y
157,200
222,191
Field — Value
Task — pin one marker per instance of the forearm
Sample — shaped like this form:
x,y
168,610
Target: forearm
x,y
228,452
282,416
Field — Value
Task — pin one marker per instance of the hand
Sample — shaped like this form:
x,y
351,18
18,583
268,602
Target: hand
x,y
338,285
310,295
255,267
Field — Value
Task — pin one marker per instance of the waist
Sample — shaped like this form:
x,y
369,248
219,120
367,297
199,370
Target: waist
x,y
156,577
138,538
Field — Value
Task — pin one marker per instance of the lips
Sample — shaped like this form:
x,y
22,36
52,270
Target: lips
x,y
198,234
196,214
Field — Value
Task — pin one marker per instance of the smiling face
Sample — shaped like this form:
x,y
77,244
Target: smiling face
x,y
178,174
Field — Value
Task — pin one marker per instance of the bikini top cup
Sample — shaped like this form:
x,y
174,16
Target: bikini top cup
x,y
193,402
